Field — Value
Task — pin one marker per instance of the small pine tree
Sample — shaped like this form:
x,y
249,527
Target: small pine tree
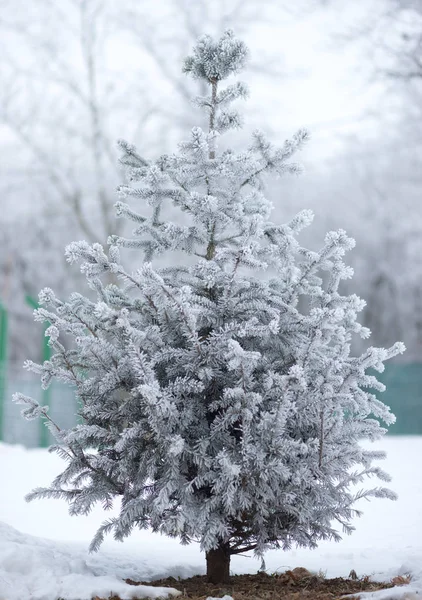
x,y
218,395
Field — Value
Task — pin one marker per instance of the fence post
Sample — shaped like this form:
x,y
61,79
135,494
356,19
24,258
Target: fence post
x,y
3,358
46,394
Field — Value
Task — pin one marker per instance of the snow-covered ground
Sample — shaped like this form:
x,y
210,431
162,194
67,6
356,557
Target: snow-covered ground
x,y
387,540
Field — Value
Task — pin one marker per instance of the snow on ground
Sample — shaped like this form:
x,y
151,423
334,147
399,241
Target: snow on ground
x,y
38,569
387,540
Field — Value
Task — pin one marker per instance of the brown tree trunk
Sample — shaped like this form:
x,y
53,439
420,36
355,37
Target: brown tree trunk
x,y
218,564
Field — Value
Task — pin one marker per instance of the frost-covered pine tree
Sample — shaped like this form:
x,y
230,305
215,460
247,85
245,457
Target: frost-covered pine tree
x,y
218,397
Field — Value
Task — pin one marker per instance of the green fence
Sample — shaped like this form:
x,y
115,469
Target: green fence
x,y
59,398
63,409
404,396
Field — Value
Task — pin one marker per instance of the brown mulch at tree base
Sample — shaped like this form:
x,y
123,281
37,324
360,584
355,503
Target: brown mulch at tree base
x,y
296,584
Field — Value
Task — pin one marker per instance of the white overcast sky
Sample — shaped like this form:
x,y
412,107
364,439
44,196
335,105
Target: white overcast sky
x,y
326,82
328,87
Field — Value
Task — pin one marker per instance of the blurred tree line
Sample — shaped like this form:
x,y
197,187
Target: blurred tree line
x,y
79,74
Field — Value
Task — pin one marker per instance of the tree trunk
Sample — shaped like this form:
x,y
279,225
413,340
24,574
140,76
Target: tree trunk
x,y
218,564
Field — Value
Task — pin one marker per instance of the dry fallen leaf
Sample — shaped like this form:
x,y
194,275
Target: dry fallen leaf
x,y
401,580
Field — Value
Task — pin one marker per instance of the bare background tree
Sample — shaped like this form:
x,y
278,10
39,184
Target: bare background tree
x,y
381,168
79,74
76,76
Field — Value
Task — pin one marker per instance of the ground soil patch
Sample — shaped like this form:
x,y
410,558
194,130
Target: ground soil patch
x,y
296,584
